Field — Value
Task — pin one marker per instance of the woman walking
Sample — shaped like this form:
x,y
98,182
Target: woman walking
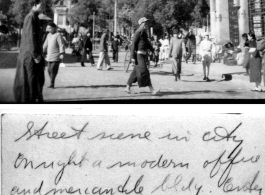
x,y
254,63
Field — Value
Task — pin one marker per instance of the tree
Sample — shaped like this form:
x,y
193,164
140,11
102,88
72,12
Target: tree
x,y
82,11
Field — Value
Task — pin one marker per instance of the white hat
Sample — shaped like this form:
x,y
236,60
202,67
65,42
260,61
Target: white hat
x,y
142,20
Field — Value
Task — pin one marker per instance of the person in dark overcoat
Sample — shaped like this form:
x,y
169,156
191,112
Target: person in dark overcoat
x,y
86,48
140,73
115,49
29,79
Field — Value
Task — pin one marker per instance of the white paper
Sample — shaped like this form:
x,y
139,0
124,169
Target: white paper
x,y
69,154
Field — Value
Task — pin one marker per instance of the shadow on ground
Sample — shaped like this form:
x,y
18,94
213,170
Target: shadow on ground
x,y
92,86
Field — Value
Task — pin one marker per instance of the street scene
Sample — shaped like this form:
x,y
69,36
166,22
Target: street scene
x,y
59,51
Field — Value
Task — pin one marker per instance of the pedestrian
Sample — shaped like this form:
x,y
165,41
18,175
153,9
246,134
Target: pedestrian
x,y
103,55
254,63
29,79
206,53
115,49
86,48
156,46
75,43
246,47
177,46
191,46
165,48
140,73
55,50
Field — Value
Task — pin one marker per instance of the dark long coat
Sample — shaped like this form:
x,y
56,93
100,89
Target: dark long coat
x,y
85,45
29,79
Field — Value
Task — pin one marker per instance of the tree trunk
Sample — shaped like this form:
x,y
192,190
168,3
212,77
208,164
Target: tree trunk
x,y
19,35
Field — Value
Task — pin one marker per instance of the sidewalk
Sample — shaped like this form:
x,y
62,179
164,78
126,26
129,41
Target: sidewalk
x,y
75,83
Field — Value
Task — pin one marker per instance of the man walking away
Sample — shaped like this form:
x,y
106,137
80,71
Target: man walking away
x,y
103,55
54,48
177,46
29,79
206,53
86,47
140,73
115,49
191,46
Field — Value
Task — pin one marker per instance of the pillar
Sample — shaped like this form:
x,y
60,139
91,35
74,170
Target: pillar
x,y
222,20
213,17
55,20
115,18
243,19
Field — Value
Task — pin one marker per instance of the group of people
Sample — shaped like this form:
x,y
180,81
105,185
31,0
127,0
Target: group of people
x,y
29,79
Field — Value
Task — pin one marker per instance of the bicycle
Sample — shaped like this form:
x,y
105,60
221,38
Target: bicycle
x,y
127,60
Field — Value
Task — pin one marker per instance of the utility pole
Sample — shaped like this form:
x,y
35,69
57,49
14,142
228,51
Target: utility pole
x,y
94,29
115,18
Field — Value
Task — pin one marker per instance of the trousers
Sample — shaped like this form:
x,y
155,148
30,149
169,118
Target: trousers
x,y
103,56
53,68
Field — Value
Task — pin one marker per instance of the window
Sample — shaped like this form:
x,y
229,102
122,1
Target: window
x,y
60,20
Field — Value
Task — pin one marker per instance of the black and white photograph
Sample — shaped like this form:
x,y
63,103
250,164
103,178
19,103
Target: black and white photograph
x,y
72,51
89,151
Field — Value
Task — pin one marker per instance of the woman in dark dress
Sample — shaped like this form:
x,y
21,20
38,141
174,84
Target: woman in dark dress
x,y
246,46
254,63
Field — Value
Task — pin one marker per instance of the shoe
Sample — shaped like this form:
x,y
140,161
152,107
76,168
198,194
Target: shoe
x,y
204,78
51,86
92,64
154,93
130,91
257,89
176,78
110,68
82,64
207,79
99,68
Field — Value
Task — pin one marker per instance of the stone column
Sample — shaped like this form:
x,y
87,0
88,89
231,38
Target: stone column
x,y
243,19
213,17
55,20
222,20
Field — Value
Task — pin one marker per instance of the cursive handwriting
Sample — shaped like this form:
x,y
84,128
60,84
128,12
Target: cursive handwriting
x,y
127,187
175,138
160,163
21,160
177,186
121,136
55,135
227,160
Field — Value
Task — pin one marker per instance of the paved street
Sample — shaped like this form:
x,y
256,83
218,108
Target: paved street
x,y
76,83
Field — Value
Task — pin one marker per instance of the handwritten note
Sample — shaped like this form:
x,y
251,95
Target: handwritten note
x,y
65,154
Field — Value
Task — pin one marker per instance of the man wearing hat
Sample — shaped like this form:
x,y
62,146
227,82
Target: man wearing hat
x,y
177,46
103,55
206,53
139,48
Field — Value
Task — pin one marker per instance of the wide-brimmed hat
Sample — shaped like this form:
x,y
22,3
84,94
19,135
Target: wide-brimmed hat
x,y
142,20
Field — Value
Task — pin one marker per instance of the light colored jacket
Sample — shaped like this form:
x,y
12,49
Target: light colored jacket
x,y
54,46
176,47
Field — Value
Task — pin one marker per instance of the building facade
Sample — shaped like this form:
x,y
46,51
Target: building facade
x,y
231,18
61,12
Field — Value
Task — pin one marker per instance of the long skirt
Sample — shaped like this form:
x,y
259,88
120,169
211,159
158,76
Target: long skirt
x,y
140,73
255,70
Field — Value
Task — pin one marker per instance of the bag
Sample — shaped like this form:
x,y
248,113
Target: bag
x,y
261,44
